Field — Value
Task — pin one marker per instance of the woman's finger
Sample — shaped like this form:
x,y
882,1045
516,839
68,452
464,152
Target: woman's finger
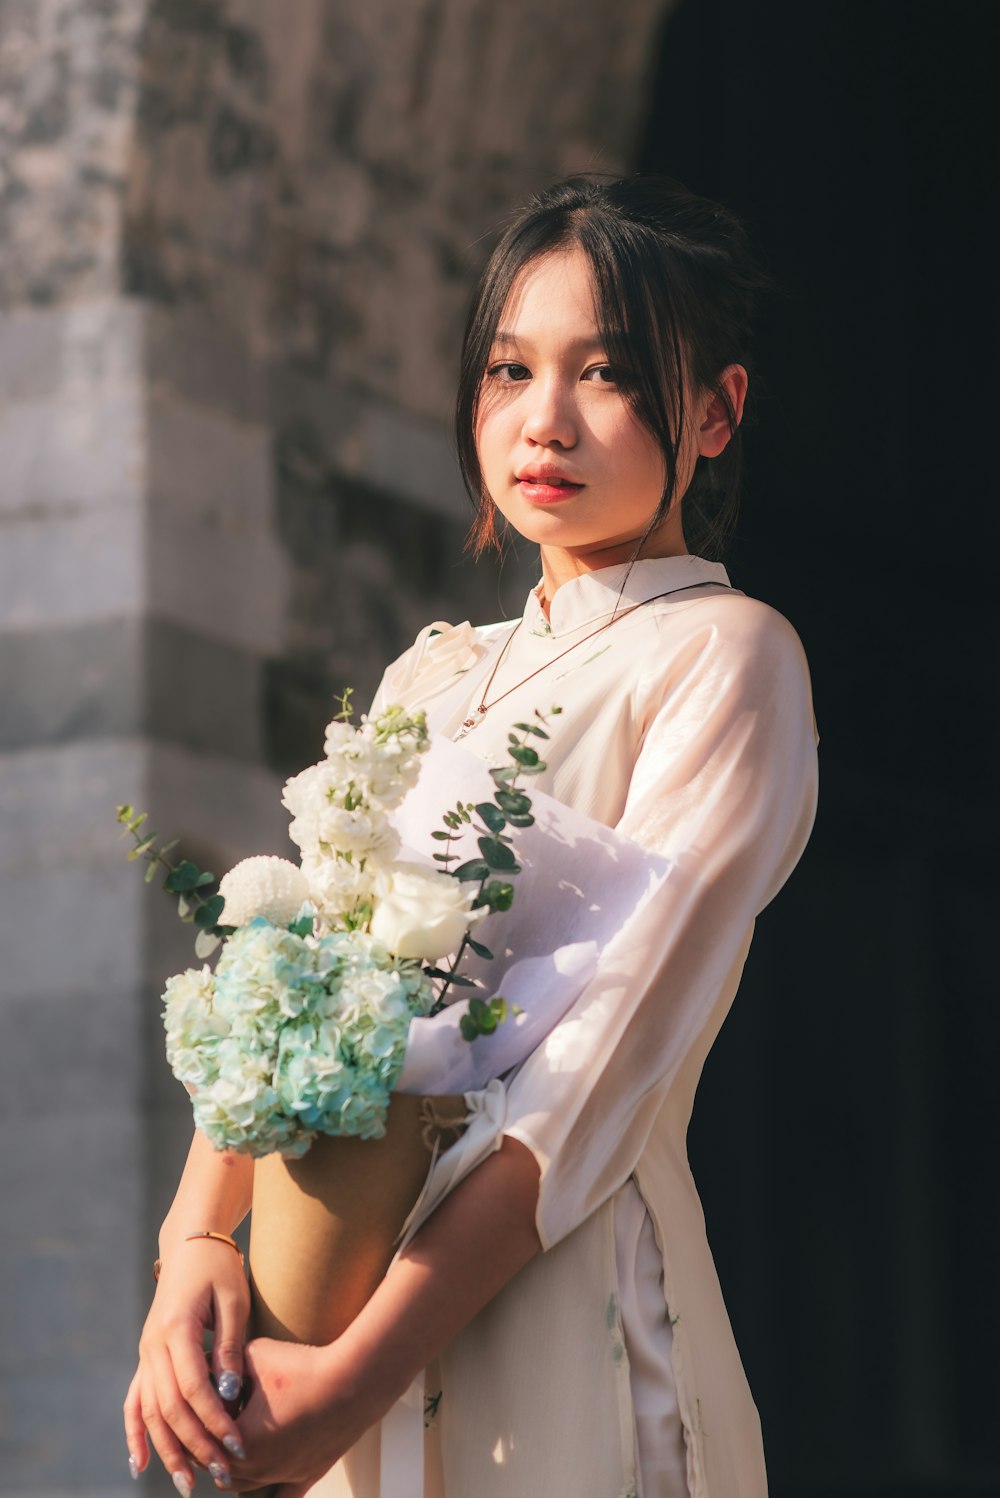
x,y
170,1451
191,1373
174,1429
135,1429
227,1346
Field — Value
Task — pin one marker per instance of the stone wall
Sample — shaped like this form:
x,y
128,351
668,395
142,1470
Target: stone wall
x,y
237,244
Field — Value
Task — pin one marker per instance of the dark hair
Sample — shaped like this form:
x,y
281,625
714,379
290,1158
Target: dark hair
x,y
673,277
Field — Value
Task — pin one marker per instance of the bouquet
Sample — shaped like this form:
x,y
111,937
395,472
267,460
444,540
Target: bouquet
x,y
301,1030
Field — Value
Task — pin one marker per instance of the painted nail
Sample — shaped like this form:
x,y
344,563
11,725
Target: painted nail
x,y
235,1447
133,1469
219,1473
183,1484
229,1384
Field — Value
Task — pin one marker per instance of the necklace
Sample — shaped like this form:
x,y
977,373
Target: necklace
x,y
480,712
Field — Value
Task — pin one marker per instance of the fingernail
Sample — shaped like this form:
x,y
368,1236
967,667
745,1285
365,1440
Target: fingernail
x,y
183,1484
219,1473
235,1447
133,1468
229,1384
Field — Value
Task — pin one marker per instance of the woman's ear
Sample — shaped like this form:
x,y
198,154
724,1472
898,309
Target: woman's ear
x,y
713,429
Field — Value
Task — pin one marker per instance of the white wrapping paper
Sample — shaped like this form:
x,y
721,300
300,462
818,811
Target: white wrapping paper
x,y
580,885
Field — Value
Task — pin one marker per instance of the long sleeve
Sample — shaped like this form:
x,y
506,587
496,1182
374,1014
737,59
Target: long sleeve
x,y
725,786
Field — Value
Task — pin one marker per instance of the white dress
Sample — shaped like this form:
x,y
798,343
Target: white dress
x,y
607,1368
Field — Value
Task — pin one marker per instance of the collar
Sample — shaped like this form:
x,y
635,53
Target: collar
x,y
589,597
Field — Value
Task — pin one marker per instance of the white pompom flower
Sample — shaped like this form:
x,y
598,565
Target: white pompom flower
x,y
264,886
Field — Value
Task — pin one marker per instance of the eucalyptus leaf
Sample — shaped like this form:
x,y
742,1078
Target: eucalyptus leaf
x,y
479,949
441,837
532,728
150,873
141,848
524,754
205,943
497,895
498,855
208,913
467,1025
476,868
514,803
492,816
183,879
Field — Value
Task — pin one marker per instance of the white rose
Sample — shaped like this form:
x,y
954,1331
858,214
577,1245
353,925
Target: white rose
x,y
421,913
271,887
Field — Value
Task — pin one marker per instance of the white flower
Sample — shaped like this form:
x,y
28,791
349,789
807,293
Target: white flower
x,y
271,887
421,913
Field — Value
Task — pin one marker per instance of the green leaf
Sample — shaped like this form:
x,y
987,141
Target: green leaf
x,y
482,1016
534,769
141,848
436,972
444,857
523,821
185,909
514,803
150,873
505,774
441,837
476,868
492,816
498,855
523,754
497,895
208,913
205,943
532,728
124,813
467,1025
183,879
302,927
461,980
204,879
167,847
479,949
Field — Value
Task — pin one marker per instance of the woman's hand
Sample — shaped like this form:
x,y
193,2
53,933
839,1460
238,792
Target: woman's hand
x,y
202,1286
305,1410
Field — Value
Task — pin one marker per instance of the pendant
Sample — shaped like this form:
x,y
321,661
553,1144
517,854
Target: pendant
x,y
470,723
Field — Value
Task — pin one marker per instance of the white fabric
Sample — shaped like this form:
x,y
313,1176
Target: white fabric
x,y
688,726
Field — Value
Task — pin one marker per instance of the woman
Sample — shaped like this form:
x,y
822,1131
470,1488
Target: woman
x,y
564,1282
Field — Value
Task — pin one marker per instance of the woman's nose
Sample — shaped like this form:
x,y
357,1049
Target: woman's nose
x,y
550,419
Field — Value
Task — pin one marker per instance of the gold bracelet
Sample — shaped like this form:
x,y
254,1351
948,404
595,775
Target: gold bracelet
x,y
205,1233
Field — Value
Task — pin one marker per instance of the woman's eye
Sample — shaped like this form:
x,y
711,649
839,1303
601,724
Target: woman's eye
x,y
509,373
601,374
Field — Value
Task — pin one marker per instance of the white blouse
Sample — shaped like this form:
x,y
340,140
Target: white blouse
x,y
607,1368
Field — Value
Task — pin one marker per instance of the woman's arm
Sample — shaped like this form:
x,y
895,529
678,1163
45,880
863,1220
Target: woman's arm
x,y
202,1286
310,1404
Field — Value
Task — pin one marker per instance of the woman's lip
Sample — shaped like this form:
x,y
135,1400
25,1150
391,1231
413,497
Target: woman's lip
x,y
541,492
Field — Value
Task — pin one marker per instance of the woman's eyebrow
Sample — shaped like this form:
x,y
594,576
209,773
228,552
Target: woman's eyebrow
x,y
505,339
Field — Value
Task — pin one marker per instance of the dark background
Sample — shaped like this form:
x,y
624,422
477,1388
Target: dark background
x,y
845,1139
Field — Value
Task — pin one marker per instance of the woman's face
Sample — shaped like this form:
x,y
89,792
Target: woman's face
x,y
562,455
